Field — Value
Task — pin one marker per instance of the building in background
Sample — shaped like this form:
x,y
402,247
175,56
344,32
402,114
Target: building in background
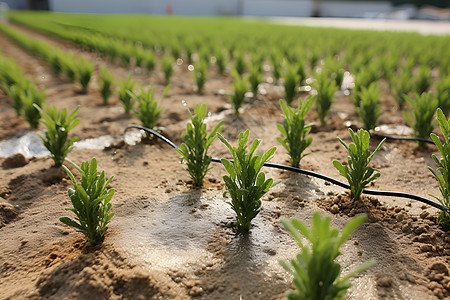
x,y
390,9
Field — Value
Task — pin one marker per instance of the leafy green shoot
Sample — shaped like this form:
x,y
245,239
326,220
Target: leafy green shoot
x,y
30,98
290,82
91,202
239,64
221,60
421,118
148,109
400,86
294,129
316,273
167,66
240,88
105,82
126,87
443,94
369,109
357,170
84,71
423,79
326,89
56,138
196,142
200,75
442,173
254,78
246,184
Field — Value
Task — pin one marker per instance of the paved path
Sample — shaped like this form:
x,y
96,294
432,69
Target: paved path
x,y
421,26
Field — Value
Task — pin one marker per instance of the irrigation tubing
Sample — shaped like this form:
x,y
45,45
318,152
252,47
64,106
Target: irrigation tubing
x,y
403,138
310,173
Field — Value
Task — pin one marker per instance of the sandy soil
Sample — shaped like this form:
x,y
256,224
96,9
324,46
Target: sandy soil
x,y
169,240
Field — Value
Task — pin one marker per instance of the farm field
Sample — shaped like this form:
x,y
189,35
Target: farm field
x,y
171,240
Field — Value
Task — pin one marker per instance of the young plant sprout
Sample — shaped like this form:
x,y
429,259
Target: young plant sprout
x,y
221,60
30,98
69,66
240,88
275,60
245,183
15,91
443,94
421,118
91,202
149,61
442,173
196,142
148,109
291,79
401,86
167,66
84,71
58,125
369,108
239,64
423,79
316,273
125,91
105,82
254,78
200,75
326,89
357,171
294,130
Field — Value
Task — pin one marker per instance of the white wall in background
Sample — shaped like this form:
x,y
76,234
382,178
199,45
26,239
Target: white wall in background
x,y
352,9
293,8
285,8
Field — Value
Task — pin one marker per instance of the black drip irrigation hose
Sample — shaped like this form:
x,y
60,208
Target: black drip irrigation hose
x,y
312,174
403,138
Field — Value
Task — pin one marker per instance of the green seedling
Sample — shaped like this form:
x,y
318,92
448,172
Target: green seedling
x,y
149,61
334,70
105,82
240,88
254,78
357,171
369,109
221,61
422,80
167,66
294,130
363,78
91,202
196,142
245,183
291,79
200,75
443,94
421,118
317,275
30,98
56,138
239,64
125,89
401,86
148,109
84,71
69,66
326,89
442,173
276,59
15,92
